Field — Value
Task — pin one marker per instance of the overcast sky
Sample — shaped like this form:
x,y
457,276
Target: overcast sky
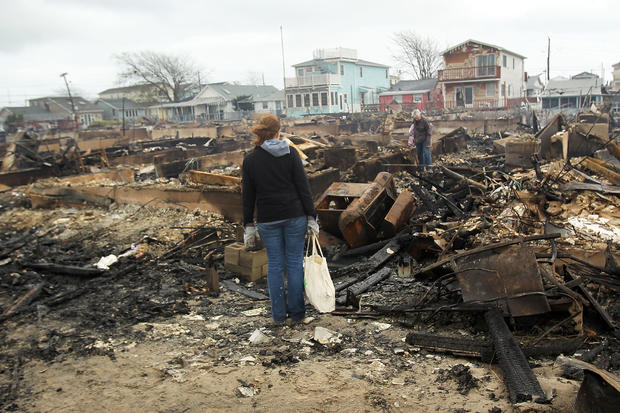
x,y
234,40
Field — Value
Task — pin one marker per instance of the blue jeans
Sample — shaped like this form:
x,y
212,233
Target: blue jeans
x,y
285,241
424,156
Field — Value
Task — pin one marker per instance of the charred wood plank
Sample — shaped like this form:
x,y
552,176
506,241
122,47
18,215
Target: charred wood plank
x,y
599,309
364,285
372,247
230,285
382,256
581,186
64,269
462,178
519,378
483,349
23,301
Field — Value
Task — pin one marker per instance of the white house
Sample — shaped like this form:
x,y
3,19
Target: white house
x,y
216,101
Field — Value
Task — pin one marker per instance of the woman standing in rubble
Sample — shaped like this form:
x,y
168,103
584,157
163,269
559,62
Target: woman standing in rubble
x,y
420,136
275,184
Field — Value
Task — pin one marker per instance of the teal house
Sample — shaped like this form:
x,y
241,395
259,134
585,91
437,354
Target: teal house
x,y
334,81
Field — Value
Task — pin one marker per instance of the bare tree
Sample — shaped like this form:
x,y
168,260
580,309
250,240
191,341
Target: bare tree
x,y
170,75
418,55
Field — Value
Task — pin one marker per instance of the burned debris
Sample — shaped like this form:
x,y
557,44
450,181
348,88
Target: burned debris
x,y
501,258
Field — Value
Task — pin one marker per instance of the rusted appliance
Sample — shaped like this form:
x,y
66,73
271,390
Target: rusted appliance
x,y
361,213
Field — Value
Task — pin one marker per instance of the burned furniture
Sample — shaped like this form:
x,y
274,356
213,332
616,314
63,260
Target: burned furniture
x,y
362,213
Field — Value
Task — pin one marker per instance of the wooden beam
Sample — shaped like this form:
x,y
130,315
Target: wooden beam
x,y
601,167
208,178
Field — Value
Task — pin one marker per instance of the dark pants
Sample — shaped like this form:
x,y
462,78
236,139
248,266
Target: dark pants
x,y
285,251
424,156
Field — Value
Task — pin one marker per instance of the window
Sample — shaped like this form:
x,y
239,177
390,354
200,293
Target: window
x,y
509,90
341,69
504,61
290,101
491,90
362,97
298,101
278,105
315,99
504,90
265,105
307,100
513,62
345,99
334,98
300,71
485,65
323,98
361,71
417,98
386,73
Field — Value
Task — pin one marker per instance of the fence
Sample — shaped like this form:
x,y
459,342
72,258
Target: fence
x,y
469,73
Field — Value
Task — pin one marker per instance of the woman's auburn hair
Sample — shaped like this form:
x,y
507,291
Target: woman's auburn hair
x,y
265,127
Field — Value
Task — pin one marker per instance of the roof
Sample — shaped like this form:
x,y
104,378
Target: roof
x,y
227,92
451,49
131,88
81,104
533,82
34,113
360,62
119,104
560,86
231,91
418,86
278,95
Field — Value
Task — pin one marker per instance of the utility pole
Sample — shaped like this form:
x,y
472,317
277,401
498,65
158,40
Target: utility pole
x,y
64,76
283,69
548,55
123,110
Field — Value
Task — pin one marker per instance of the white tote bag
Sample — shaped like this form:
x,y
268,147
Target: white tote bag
x,y
318,283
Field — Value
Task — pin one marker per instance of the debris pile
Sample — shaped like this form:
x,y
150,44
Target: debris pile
x,y
506,253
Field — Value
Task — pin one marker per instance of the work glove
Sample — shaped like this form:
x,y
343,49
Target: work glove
x,y
250,237
313,226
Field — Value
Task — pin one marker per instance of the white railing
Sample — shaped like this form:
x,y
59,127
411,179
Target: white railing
x,y
313,80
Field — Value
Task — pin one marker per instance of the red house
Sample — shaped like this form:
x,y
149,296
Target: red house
x,y
408,95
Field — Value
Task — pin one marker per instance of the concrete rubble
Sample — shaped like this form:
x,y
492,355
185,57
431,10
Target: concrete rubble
x,y
469,279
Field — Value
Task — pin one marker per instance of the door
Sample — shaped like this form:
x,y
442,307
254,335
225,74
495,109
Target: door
x,y
459,97
469,96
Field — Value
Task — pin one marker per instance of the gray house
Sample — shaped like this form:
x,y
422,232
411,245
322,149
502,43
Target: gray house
x,y
119,109
562,94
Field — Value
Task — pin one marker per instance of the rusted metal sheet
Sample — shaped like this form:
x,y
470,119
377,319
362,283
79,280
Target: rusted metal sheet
x,y
208,178
399,214
507,277
599,391
321,180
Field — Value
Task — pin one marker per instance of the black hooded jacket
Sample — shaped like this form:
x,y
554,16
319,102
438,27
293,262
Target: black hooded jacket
x,y
277,187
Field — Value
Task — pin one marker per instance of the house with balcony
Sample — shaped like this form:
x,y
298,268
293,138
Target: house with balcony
x,y
335,81
479,75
